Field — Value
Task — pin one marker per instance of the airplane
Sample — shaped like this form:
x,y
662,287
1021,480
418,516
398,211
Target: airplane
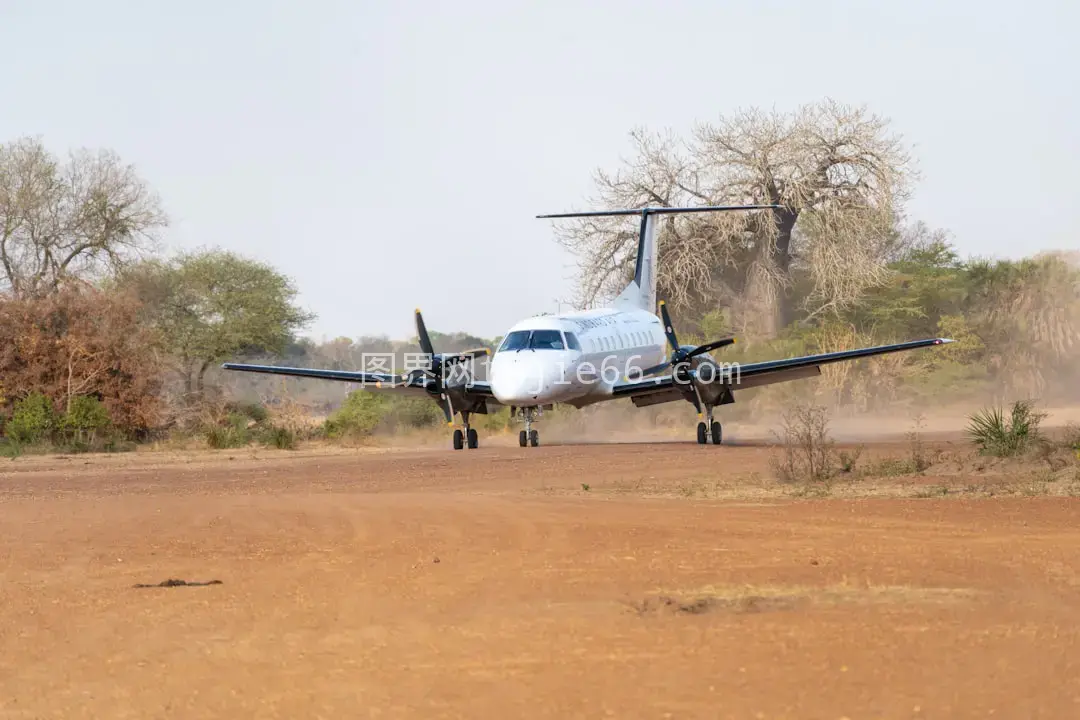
x,y
584,357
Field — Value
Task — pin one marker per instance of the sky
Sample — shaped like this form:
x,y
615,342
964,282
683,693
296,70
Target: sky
x,y
394,155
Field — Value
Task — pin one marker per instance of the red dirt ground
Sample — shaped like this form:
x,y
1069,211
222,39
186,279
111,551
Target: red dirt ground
x,y
490,584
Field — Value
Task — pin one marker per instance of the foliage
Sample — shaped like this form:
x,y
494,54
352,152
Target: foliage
x,y
33,420
82,341
211,305
238,425
412,412
358,416
88,331
808,454
232,431
837,173
996,435
79,219
282,438
1028,313
84,425
86,416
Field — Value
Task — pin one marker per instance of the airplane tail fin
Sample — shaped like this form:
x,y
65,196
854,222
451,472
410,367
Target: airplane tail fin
x,y
641,292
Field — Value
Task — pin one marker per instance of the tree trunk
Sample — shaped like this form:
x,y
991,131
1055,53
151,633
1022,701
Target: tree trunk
x,y
202,374
778,312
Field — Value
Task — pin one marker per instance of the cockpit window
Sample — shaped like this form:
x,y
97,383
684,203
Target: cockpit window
x,y
572,341
546,340
533,340
517,340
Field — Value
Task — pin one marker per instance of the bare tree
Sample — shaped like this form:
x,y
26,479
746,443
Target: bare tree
x,y
840,178
69,220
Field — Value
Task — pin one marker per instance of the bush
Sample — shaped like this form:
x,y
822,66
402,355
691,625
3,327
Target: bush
x,y
995,435
413,412
33,420
358,416
279,437
253,411
233,432
84,420
496,421
808,449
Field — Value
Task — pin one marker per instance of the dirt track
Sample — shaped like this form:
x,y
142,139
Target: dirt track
x,y
490,584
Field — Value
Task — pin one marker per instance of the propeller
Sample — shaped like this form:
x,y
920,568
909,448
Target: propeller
x,y
440,362
682,353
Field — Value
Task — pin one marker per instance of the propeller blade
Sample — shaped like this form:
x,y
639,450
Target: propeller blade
x,y
669,328
710,346
466,355
656,368
422,335
448,409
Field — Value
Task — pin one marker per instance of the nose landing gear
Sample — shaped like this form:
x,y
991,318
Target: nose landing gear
x,y
709,428
528,436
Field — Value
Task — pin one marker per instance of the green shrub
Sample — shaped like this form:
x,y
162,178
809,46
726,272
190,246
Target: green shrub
x,y
279,437
996,435
415,412
252,411
358,416
33,420
233,432
496,421
85,419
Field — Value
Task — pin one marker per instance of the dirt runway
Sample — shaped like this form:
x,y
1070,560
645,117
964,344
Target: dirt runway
x,y
626,581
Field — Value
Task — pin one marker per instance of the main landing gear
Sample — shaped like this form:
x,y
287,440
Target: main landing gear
x,y
709,428
528,436
468,437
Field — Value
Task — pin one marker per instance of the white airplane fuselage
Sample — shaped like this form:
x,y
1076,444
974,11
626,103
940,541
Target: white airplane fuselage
x,y
574,358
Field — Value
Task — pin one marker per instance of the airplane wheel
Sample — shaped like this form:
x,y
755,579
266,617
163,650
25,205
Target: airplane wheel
x,y
523,439
702,433
534,438
472,438
459,440
717,433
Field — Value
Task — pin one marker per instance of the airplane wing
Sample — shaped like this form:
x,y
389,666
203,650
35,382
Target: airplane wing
x,y
664,388
368,381
384,382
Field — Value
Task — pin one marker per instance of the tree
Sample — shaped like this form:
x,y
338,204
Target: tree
x,y
839,178
1027,312
211,305
69,220
82,341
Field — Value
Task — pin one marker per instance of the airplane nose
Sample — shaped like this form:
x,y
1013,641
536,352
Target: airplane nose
x,y
521,381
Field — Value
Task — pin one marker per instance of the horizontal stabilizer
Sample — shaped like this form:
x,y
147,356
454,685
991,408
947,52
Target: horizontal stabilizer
x,y
660,211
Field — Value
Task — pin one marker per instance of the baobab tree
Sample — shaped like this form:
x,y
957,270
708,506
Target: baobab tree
x,y
76,219
837,173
